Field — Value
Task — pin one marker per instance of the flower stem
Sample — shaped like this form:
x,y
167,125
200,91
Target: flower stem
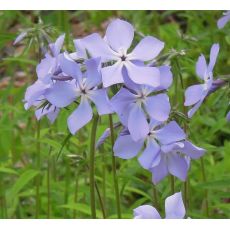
x,y
37,211
155,198
104,181
172,184
115,181
205,191
76,194
91,166
48,184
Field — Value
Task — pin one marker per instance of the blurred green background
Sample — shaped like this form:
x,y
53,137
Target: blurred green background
x,y
64,183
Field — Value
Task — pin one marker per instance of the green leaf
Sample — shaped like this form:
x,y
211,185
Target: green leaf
x,y
8,171
22,181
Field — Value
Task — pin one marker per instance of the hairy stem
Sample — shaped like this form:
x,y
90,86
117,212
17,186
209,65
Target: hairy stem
x,y
91,166
115,180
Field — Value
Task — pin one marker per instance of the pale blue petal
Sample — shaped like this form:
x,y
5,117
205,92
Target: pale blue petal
x,y
80,117
126,148
174,207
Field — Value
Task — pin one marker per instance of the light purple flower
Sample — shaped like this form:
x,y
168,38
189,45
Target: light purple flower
x,y
223,20
83,86
131,103
195,95
114,47
174,209
165,150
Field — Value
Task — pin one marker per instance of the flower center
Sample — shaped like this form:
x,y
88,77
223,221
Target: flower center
x,y
123,58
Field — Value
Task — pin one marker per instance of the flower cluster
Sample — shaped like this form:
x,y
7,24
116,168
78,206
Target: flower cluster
x,y
83,80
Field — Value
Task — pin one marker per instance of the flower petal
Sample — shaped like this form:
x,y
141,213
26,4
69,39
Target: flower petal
x,y
177,165
223,20
213,56
174,207
147,49
53,115
166,77
151,155
158,107
112,75
80,117
70,67
101,100
137,123
126,148
97,47
195,107
121,100
201,67
80,48
146,212
56,47
45,67
170,133
143,74
160,171
193,94
119,35
93,72
34,91
61,94
191,150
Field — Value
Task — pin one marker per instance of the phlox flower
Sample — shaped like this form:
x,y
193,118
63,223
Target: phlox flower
x,y
84,86
223,20
195,95
131,102
166,150
174,209
115,48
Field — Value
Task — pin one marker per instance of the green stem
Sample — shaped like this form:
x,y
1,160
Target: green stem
x,y
48,184
76,195
37,211
100,201
104,181
91,166
115,180
67,182
205,191
155,198
172,184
